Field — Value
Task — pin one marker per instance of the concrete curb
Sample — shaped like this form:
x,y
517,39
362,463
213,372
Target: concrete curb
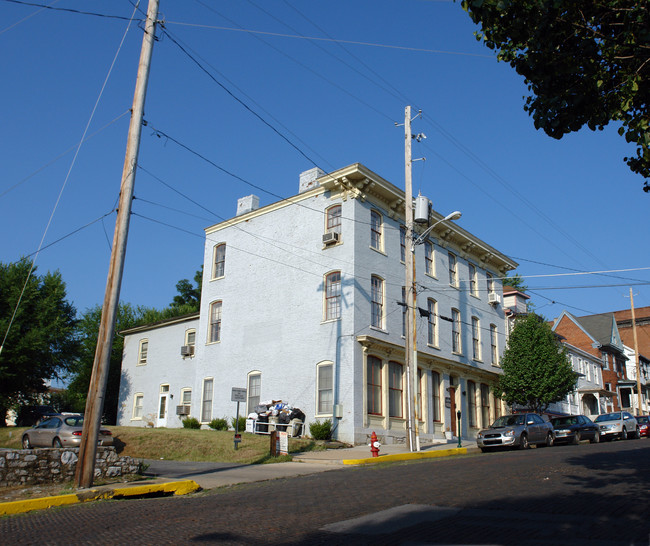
x,y
412,456
104,492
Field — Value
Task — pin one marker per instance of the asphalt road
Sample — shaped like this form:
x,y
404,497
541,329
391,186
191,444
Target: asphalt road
x,y
585,494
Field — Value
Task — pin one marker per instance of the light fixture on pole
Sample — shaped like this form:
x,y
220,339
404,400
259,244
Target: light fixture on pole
x,y
411,345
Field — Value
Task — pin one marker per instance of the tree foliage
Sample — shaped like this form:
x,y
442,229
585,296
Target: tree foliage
x,y
536,369
41,343
585,63
188,298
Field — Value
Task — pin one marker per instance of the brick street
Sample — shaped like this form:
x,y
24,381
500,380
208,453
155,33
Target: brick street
x,y
596,494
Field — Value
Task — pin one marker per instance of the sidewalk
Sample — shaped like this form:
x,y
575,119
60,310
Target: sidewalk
x,y
180,478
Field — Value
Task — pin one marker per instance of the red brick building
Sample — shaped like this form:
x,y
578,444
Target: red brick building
x,y
598,336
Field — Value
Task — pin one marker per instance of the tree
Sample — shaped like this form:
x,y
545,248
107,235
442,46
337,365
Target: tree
x,y
585,63
536,369
40,343
189,296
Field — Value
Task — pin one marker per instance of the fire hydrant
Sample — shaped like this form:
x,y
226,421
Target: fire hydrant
x,y
374,445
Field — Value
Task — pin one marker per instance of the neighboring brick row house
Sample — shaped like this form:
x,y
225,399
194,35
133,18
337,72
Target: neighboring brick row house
x,y
303,301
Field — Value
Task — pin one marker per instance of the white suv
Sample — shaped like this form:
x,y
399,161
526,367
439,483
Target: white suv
x,y
619,424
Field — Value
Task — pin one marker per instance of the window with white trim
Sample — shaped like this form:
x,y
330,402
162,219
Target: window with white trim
x,y
473,280
435,382
186,397
471,402
138,401
334,219
395,389
377,301
476,339
219,266
206,400
374,385
214,334
432,323
190,337
325,388
376,230
254,390
494,347
456,346
485,405
143,352
453,270
333,295
429,259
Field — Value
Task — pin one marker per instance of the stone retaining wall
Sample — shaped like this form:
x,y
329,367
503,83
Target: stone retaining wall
x,y
54,465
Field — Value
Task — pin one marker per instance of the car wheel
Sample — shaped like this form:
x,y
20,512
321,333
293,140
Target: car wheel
x,y
596,438
523,442
576,438
56,443
637,434
26,443
624,434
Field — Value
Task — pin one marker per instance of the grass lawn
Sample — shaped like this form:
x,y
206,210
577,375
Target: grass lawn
x,y
181,444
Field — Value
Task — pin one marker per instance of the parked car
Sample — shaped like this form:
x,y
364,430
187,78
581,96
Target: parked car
x,y
618,424
644,425
29,416
516,431
574,428
61,431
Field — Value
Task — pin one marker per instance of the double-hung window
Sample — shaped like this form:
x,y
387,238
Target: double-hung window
x,y
374,385
453,270
206,402
471,402
334,219
219,261
325,388
215,322
333,296
429,263
138,401
376,230
494,348
254,390
432,327
402,243
435,385
143,352
476,339
485,405
473,282
395,389
455,331
377,302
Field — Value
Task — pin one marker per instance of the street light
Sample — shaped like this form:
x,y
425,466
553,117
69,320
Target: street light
x,y
411,343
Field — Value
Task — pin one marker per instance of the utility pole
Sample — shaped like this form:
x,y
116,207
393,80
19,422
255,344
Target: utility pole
x,y
410,341
97,389
636,358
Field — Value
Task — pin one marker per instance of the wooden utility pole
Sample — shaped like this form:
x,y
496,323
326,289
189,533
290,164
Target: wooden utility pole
x,y
97,390
639,409
410,341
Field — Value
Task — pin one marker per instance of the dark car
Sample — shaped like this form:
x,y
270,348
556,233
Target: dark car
x,y
644,425
572,429
516,431
28,416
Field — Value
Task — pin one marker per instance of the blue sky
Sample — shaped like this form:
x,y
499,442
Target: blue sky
x,y
556,207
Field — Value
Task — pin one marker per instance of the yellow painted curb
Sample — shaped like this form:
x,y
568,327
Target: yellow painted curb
x,y
178,488
409,456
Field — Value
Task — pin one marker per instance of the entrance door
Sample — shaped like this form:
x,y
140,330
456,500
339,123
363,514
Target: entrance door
x,y
452,397
163,406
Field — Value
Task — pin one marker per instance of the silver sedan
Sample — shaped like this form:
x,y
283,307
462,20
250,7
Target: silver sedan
x,y
61,431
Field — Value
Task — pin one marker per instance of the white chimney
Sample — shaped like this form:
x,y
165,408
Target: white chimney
x,y
247,204
308,179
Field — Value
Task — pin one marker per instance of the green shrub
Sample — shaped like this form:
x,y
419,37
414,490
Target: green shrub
x,y
219,424
242,423
321,431
191,422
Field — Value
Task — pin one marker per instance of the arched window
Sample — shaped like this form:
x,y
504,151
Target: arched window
x,y
333,295
334,219
215,322
219,268
324,388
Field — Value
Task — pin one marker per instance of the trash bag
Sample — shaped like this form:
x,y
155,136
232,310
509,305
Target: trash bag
x,y
297,414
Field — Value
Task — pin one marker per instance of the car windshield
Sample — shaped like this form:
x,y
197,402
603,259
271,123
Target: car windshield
x,y
642,419
74,421
608,417
564,421
508,421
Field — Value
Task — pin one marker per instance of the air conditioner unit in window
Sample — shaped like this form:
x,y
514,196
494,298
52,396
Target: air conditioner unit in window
x,y
187,350
182,410
493,298
331,237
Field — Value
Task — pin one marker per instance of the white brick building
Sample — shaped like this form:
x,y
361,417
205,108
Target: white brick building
x,y
302,302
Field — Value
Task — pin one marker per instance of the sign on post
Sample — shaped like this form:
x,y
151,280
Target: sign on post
x,y
238,395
